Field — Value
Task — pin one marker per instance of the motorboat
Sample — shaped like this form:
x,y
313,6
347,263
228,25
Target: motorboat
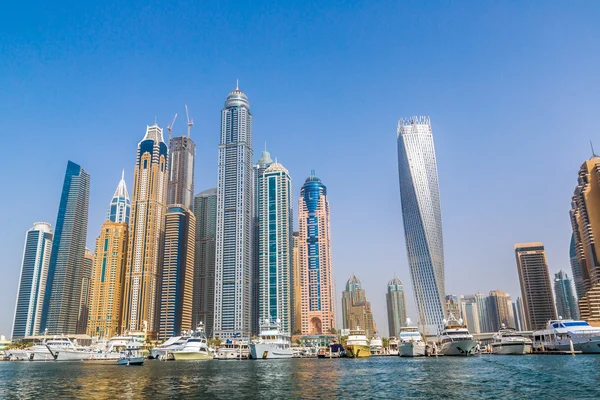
x,y
110,351
455,339
393,346
334,350
509,341
59,349
130,356
567,335
357,345
195,348
164,351
272,342
233,350
411,342
376,346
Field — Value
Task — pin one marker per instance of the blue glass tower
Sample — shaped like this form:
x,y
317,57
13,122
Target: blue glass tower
x,y
63,287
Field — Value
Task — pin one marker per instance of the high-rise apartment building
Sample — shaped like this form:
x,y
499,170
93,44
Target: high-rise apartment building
x,y
32,284
108,273
84,300
205,210
146,230
422,219
566,306
452,306
263,163
275,246
485,324
576,268
177,283
63,286
536,289
470,313
518,314
182,154
500,310
233,268
316,270
356,310
396,306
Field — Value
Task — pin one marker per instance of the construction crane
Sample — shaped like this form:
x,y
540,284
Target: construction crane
x,y
190,122
170,127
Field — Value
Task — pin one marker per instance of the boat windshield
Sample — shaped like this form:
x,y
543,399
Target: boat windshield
x,y
575,323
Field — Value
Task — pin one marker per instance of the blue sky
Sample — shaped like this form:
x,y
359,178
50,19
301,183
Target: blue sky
x,y
512,89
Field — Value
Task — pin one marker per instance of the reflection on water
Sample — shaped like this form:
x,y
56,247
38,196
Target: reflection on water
x,y
381,377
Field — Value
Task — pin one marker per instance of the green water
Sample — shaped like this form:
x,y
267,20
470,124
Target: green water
x,y
479,377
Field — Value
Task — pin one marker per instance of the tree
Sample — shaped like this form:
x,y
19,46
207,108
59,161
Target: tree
x,y
214,342
333,331
386,342
343,341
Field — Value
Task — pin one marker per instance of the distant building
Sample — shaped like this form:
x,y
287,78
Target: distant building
x,y
205,210
576,268
316,270
84,302
485,324
470,313
177,283
518,313
452,306
32,284
500,310
63,286
356,310
536,289
182,154
422,217
275,246
296,286
396,307
566,306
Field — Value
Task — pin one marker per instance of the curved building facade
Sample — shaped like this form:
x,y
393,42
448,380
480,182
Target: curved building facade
x,y
422,219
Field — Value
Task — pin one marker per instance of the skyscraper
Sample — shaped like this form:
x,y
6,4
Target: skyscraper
x,y
316,270
63,286
146,230
485,324
500,310
296,286
576,268
356,310
108,273
182,153
470,312
536,290
396,306
205,210
518,313
422,218
452,306
275,246
32,284
566,306
177,282
233,270
84,300
257,171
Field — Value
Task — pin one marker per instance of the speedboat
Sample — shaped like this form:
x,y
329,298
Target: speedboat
x,y
455,339
272,343
357,345
411,341
195,348
567,335
393,346
376,346
131,356
509,341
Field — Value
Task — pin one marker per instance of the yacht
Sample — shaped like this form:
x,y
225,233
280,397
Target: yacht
x,y
164,351
357,344
110,351
233,350
455,339
393,346
196,347
376,346
411,341
131,356
273,343
59,349
567,335
509,341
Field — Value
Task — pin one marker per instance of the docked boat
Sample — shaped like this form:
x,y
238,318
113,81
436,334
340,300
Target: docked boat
x,y
233,350
164,351
567,335
455,339
376,346
272,343
357,345
393,349
195,348
335,350
411,341
111,350
131,357
59,349
509,341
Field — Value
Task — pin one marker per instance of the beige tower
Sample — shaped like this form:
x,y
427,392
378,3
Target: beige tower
x,y
356,309
150,178
316,271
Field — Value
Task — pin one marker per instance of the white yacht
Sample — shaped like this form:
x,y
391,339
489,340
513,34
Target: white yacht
x,y
196,347
509,341
273,343
110,351
567,334
411,341
233,350
393,346
164,351
376,346
59,349
455,339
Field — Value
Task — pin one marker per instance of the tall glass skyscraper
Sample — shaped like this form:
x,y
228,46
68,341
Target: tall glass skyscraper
x,y
146,233
566,306
84,300
63,287
32,284
485,323
396,306
422,218
182,153
576,268
316,270
275,246
233,271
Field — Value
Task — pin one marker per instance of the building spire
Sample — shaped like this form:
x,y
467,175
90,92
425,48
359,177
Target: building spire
x,y
123,174
594,155
237,86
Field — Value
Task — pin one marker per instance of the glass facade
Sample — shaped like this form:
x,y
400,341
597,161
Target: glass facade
x,y
396,306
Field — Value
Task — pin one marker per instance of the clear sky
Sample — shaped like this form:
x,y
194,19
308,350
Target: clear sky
x,y
512,89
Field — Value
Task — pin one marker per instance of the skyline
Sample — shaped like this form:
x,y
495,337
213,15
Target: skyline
x,y
466,136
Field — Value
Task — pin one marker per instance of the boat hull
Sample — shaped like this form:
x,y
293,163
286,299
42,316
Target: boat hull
x,y
586,346
509,348
412,349
462,347
131,361
191,355
358,351
267,351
